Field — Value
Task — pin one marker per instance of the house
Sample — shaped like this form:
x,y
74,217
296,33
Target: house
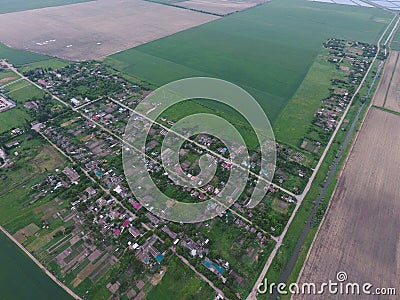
x,y
153,219
31,105
168,231
125,224
134,232
3,154
71,174
75,102
91,191
13,144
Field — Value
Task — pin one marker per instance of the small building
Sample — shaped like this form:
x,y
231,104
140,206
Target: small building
x,y
71,174
134,231
75,102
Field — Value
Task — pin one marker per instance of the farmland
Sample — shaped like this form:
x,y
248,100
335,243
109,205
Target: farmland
x,y
17,270
20,92
395,45
392,100
8,6
257,49
13,118
300,110
367,190
94,33
20,57
180,282
221,7
381,93
387,94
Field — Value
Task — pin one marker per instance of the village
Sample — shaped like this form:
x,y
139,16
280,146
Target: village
x,y
96,228
352,59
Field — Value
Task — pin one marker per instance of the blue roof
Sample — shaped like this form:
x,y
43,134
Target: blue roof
x,y
207,263
220,270
159,257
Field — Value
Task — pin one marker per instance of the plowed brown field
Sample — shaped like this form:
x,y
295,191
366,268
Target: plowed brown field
x,y
360,234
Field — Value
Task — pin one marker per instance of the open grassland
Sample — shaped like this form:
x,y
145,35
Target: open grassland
x,y
6,77
8,6
395,45
17,85
180,282
20,57
13,118
297,116
85,31
25,93
267,50
34,160
53,63
20,92
360,232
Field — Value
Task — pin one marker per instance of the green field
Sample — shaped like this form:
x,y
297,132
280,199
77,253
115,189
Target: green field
x,y
20,57
180,283
395,45
30,167
25,93
22,278
267,50
13,118
20,92
8,6
53,63
7,76
299,112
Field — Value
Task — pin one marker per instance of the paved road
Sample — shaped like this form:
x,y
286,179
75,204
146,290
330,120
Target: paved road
x,y
11,67
331,174
300,198
76,109
203,147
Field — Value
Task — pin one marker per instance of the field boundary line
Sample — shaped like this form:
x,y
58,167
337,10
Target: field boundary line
x,y
339,175
253,292
391,78
12,82
48,273
20,88
390,111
